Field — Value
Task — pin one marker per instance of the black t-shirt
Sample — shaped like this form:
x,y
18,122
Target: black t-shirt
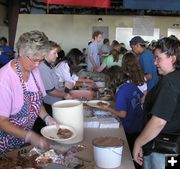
x,y
163,101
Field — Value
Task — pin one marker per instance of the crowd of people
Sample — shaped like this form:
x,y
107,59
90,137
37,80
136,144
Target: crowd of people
x,y
145,82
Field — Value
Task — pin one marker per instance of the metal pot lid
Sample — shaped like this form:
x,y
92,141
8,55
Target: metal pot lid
x,y
107,142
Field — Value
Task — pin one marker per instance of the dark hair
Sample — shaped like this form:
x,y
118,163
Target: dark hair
x,y
170,46
173,37
130,66
143,45
89,42
61,54
152,45
123,50
114,43
115,76
105,41
73,59
3,39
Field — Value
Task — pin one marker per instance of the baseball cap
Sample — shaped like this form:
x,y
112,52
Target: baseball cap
x,y
137,39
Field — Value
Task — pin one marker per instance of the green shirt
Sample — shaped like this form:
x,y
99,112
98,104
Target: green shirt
x,y
109,61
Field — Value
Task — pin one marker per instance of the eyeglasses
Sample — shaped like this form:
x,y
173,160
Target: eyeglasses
x,y
36,62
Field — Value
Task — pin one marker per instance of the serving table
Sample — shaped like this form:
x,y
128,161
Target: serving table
x,y
91,133
87,154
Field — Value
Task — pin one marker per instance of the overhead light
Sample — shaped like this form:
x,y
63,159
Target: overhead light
x,y
100,20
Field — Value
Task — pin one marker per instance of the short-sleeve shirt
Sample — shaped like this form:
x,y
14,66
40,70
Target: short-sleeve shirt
x,y
166,103
128,98
146,60
11,93
62,70
106,48
143,88
50,81
6,54
109,61
93,50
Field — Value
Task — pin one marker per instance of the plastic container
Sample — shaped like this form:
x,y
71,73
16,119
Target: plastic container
x,y
107,152
70,112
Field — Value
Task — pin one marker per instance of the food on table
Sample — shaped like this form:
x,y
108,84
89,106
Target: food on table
x,y
108,141
105,94
64,133
102,104
20,162
45,158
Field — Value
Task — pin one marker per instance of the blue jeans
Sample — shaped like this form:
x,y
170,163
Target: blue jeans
x,y
154,161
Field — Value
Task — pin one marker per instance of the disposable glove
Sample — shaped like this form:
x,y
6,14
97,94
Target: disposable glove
x,y
36,140
50,121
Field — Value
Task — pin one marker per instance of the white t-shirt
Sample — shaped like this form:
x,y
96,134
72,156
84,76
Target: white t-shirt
x,y
62,70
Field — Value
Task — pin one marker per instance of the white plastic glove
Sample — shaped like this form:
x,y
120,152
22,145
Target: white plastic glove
x,y
50,121
36,140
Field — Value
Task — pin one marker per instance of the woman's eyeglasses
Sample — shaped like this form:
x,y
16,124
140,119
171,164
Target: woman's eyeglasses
x,y
36,62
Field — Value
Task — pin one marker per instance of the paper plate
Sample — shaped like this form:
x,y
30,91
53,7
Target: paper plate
x,y
93,103
50,132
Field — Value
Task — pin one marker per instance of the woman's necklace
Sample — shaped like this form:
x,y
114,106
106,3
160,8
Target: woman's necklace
x,y
24,71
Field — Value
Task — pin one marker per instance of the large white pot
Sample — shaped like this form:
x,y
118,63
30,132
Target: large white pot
x,y
70,112
107,155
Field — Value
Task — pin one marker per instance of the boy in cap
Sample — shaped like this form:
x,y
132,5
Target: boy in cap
x,y
6,53
146,59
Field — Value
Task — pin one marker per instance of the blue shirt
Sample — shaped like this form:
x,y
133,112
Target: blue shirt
x,y
93,50
128,98
6,54
146,60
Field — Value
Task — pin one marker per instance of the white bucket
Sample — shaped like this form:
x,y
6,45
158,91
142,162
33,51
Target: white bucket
x,y
105,155
70,112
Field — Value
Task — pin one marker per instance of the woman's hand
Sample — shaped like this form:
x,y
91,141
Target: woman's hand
x,y
50,121
36,140
69,85
104,107
90,84
68,96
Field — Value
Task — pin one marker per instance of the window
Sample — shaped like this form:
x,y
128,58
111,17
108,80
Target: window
x,y
125,35
175,32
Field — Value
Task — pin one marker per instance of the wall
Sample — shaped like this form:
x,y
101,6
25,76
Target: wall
x,y
3,14
76,30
